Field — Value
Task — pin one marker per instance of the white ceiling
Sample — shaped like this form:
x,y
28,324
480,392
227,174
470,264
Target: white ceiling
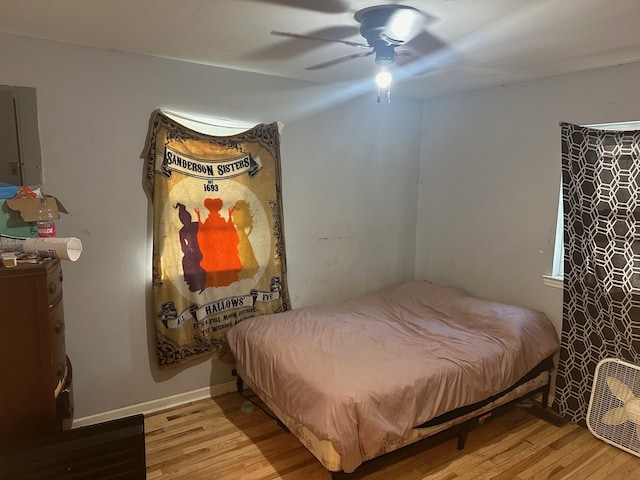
x,y
485,42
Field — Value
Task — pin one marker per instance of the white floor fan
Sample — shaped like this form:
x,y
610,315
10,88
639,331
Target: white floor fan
x,y
614,407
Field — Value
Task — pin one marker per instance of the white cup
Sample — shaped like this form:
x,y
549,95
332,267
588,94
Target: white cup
x,y
64,248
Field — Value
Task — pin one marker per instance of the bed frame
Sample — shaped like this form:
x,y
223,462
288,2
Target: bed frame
x,y
538,381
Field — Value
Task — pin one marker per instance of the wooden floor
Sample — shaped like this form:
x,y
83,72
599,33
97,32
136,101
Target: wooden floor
x,y
228,438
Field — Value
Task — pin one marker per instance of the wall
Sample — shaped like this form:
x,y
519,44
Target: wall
x,y
490,178
350,169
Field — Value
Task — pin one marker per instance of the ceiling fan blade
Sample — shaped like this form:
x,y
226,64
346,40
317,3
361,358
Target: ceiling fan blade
x,y
425,43
404,57
422,55
336,61
320,39
412,64
325,6
291,46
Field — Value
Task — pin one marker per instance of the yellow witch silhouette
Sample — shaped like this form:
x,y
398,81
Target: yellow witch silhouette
x,y
243,221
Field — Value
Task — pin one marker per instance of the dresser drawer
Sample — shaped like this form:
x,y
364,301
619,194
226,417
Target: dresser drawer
x,y
54,283
56,339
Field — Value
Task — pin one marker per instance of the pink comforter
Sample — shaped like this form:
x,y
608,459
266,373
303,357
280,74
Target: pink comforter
x,y
371,368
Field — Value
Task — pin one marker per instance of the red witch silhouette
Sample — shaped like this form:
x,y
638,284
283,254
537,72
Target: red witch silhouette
x,y
218,240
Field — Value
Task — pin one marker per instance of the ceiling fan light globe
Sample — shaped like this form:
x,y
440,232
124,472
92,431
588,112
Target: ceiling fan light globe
x,y
383,79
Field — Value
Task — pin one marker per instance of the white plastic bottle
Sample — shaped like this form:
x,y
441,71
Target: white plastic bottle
x,y
46,221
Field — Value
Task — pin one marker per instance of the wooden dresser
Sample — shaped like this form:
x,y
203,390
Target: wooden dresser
x,y
35,380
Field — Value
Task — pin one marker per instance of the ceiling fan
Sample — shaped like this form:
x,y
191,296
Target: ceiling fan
x,y
385,28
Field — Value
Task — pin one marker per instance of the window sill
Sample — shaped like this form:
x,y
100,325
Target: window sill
x,y
551,281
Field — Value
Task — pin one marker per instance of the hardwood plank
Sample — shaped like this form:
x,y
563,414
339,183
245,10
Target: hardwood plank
x,y
604,471
626,469
226,439
561,463
518,446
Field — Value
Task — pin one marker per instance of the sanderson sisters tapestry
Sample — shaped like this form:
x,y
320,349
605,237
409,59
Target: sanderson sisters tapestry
x,y
218,239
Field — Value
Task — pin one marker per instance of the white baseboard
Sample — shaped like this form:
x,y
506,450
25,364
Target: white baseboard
x,y
156,405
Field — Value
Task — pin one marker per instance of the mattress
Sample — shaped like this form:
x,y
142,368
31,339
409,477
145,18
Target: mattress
x,y
363,373
326,454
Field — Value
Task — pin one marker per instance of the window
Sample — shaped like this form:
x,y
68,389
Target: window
x,y
557,272
558,252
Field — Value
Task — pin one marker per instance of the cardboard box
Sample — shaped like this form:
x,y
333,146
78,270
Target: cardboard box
x,y
18,216
28,207
11,223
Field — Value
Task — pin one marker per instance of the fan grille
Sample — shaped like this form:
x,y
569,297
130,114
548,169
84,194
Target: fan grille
x,y
624,435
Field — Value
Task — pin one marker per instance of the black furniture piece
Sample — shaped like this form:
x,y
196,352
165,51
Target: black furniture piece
x,y
106,451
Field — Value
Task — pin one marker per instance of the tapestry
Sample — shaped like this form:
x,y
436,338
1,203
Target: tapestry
x,y
218,238
601,298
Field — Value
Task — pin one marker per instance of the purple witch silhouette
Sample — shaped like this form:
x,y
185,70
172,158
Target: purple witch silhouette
x,y
194,274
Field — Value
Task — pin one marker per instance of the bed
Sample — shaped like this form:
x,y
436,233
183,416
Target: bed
x,y
359,378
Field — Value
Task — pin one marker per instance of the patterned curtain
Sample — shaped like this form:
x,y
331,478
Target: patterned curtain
x,y
601,305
